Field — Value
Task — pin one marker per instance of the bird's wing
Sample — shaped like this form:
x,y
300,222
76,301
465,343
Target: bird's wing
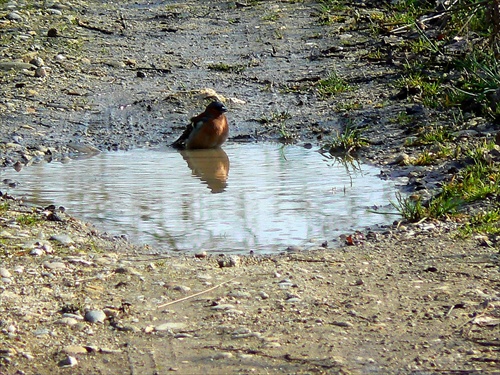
x,y
180,143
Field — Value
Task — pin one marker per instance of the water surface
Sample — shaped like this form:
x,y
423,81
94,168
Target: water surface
x,y
260,197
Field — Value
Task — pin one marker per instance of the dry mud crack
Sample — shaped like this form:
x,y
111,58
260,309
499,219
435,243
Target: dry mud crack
x,y
409,300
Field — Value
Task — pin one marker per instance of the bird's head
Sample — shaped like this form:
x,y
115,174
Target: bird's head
x,y
216,107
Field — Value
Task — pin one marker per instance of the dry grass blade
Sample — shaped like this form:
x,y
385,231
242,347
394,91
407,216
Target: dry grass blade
x,y
194,295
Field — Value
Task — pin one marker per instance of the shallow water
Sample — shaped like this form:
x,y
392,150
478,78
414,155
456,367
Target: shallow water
x,y
260,197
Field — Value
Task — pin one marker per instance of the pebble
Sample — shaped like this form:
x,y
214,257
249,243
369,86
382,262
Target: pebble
x,y
69,361
110,351
223,355
54,265
171,326
182,336
95,316
4,272
55,12
263,295
41,72
41,332
285,284
182,288
15,16
223,306
128,270
343,324
8,65
74,349
37,252
66,321
402,159
239,294
37,61
62,239
52,33
229,261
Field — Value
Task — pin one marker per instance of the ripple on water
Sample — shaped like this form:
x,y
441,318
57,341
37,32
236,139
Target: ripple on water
x,y
261,197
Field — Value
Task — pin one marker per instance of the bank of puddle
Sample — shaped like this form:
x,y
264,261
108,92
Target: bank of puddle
x,y
259,197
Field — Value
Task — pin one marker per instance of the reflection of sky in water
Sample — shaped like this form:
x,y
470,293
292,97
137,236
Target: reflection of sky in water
x,y
274,198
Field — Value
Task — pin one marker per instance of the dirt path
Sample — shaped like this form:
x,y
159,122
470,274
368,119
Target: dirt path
x,y
408,300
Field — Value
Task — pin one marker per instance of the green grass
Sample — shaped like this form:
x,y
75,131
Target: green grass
x,y
27,219
275,117
348,141
479,82
487,222
348,106
331,85
431,135
479,180
430,89
271,17
223,67
328,11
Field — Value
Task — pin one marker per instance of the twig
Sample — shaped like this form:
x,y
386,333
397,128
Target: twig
x,y
93,28
196,294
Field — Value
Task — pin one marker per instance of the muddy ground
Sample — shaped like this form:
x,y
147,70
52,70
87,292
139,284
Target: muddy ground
x,y
406,299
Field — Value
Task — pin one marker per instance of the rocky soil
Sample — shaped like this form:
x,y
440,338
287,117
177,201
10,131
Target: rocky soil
x,y
81,77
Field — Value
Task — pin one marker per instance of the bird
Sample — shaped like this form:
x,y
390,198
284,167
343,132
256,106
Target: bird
x,y
207,130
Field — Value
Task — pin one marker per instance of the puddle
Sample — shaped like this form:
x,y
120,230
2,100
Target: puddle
x,y
260,197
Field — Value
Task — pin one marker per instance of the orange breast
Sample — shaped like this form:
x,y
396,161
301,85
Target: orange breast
x,y
210,134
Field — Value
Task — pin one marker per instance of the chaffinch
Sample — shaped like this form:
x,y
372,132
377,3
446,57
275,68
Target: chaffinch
x,y
207,130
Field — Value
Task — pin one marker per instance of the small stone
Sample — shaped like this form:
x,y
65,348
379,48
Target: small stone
x,y
223,355
73,316
41,72
37,252
74,349
41,332
128,270
52,33
15,16
182,288
263,295
110,351
402,159
229,261
83,148
54,265
37,61
239,294
172,326
69,361
8,65
55,12
223,306
4,272
95,316
201,255
343,324
67,321
62,239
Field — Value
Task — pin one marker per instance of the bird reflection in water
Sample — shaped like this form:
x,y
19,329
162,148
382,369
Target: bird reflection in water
x,y
210,165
